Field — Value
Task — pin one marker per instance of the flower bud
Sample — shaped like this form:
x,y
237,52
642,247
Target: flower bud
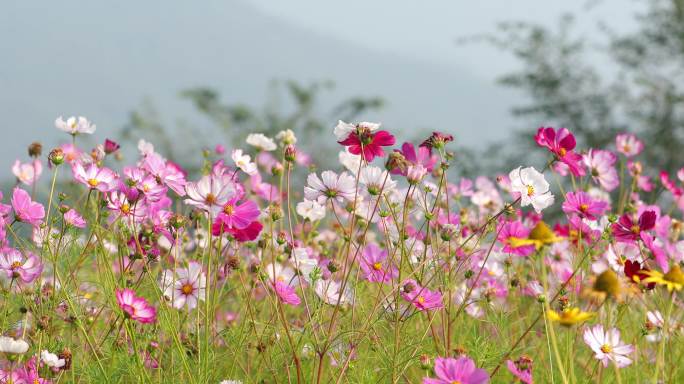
x,y
35,149
56,156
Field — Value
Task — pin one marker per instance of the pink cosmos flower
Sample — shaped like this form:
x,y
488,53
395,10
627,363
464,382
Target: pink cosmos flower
x,y
511,232
249,233
461,370
238,215
211,193
628,231
167,172
286,293
561,144
103,179
628,144
374,265
135,307
185,287
521,369
607,346
25,209
27,173
600,164
582,204
73,218
366,142
15,265
421,156
421,297
110,146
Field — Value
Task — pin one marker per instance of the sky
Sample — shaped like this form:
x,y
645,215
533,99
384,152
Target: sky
x,y
101,60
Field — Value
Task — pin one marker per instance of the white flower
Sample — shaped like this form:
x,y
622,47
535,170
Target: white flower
x,y
350,161
186,286
51,360
311,210
75,125
27,173
304,263
342,129
329,292
607,346
244,162
9,345
261,141
374,178
330,186
532,187
287,137
145,147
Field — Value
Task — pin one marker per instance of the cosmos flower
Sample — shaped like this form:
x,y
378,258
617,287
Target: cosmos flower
x,y
16,265
607,346
561,144
532,187
244,162
27,173
421,156
330,186
310,209
601,167
421,297
25,209
460,370
673,280
51,359
210,193
135,307
628,144
261,141
185,287
75,126
73,218
569,316
628,231
103,179
238,215
366,140
583,205
376,180
375,265
286,293
12,346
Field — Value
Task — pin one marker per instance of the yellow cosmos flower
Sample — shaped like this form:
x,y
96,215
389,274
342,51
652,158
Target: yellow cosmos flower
x,y
673,280
569,316
540,236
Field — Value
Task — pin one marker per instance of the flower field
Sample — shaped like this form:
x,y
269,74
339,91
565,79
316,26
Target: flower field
x,y
390,267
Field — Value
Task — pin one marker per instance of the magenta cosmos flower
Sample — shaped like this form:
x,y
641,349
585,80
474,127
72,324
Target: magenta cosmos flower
x,y
562,145
628,144
16,265
103,179
365,140
510,235
421,156
238,215
461,370
135,307
375,266
582,204
421,297
285,293
626,230
25,209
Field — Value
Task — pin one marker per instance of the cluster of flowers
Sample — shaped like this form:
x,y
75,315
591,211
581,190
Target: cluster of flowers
x,y
393,236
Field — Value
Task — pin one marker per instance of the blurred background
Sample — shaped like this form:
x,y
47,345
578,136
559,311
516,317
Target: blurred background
x,y
189,75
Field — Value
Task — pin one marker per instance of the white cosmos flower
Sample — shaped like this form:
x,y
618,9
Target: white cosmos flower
x,y
51,360
145,148
329,292
304,263
330,186
244,162
261,141
607,346
373,178
9,345
185,287
532,187
311,210
287,137
75,125
350,161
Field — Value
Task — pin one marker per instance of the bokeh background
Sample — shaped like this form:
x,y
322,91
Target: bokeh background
x,y
188,75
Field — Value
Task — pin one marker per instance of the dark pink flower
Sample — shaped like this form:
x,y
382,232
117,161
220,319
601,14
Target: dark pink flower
x,y
436,140
25,209
111,146
582,204
422,156
628,231
510,235
363,141
249,233
562,145
461,370
238,215
135,307
286,293
375,265
421,297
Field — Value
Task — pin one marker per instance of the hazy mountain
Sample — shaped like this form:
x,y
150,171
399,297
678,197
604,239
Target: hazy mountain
x,y
102,59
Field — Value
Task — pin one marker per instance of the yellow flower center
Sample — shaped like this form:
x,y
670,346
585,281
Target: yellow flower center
x,y
377,266
125,208
635,229
605,348
229,209
421,299
562,152
210,199
187,289
93,182
16,265
583,207
530,190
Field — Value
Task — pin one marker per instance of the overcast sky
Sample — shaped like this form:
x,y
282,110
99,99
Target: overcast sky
x,y
101,60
